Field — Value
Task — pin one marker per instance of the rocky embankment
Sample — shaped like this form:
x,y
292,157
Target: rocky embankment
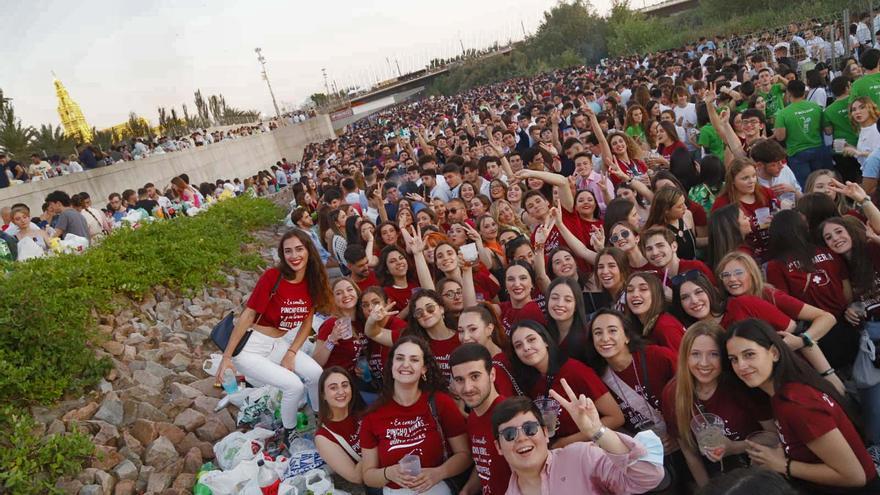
x,y
152,418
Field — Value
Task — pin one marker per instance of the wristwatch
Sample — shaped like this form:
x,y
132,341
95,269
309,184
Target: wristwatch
x,y
601,431
808,341
861,204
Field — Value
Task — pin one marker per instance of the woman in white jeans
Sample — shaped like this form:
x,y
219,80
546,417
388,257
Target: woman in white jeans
x,y
280,311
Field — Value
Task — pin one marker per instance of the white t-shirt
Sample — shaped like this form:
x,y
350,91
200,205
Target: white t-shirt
x,y
786,176
687,115
869,140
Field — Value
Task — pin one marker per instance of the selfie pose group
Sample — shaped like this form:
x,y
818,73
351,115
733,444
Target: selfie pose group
x,y
658,275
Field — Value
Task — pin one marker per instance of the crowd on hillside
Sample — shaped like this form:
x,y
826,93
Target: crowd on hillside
x,y
38,166
73,223
663,261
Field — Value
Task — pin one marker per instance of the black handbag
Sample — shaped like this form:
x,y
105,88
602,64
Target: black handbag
x,y
222,331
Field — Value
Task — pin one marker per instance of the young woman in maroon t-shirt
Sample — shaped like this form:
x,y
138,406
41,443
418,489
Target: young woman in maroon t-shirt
x,y
822,450
479,324
393,275
339,424
284,300
646,305
539,367
741,187
519,280
568,319
403,421
341,339
701,386
376,352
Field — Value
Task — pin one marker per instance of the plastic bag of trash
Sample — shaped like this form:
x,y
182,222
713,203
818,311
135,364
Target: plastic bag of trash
x,y
302,462
258,402
237,446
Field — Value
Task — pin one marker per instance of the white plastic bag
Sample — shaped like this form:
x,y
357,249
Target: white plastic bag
x,y
28,249
318,482
302,462
865,374
238,446
232,481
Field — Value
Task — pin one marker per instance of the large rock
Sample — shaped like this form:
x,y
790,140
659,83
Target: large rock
x,y
158,482
171,432
146,378
107,434
142,410
126,470
111,410
160,453
144,431
193,461
125,487
113,347
91,490
205,404
192,441
212,430
56,427
206,386
69,486
106,481
185,481
180,390
106,458
83,413
189,419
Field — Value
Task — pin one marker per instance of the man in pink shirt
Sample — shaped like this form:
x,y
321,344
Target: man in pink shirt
x,y
611,463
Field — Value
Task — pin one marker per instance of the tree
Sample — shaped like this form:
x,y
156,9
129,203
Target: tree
x,y
320,99
49,140
15,138
204,115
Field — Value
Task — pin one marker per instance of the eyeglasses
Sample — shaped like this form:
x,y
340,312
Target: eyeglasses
x,y
624,234
452,210
739,272
530,428
451,294
688,276
429,310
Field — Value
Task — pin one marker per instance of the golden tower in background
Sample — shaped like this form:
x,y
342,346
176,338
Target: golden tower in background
x,y
71,116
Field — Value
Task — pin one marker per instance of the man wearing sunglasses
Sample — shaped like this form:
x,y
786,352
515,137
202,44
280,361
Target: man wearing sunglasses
x,y
611,463
473,379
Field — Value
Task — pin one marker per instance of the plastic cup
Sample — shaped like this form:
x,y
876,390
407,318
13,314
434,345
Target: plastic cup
x,y
345,325
469,252
765,438
709,430
550,413
410,465
838,145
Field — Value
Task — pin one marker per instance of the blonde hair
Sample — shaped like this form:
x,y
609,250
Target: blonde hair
x,y
873,113
685,390
757,288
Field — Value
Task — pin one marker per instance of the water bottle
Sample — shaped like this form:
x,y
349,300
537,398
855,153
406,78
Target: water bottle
x,y
230,384
364,365
267,478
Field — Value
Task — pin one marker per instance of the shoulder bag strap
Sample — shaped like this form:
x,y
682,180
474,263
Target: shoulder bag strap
x,y
271,295
644,370
344,444
432,405
509,375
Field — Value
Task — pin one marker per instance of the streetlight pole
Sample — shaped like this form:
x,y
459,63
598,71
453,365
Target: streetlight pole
x,y
262,61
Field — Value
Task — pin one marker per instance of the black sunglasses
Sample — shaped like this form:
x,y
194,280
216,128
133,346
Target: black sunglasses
x,y
688,276
530,428
624,234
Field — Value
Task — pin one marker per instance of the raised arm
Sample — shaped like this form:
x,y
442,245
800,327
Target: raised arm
x,y
416,246
721,124
576,245
566,198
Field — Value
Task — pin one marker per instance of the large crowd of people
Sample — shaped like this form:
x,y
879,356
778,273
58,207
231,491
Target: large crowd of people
x,y
40,166
603,261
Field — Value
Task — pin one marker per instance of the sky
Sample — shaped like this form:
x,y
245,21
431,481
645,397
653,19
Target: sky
x,y
115,57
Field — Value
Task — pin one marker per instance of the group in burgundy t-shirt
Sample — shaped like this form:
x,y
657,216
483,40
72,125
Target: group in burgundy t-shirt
x,y
492,468
582,380
667,332
759,238
368,282
822,287
347,351
395,430
378,353
510,316
504,381
684,266
287,309
743,307
400,297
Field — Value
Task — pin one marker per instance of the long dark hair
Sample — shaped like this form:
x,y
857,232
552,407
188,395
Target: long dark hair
x,y
433,381
316,274
594,359
724,234
413,327
577,335
790,368
525,375
861,269
790,239
355,406
490,317
382,274
716,300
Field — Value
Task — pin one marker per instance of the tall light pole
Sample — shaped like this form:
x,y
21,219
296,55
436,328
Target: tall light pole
x,y
262,61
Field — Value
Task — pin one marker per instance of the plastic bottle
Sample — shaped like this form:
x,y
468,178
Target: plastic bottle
x,y
230,384
267,478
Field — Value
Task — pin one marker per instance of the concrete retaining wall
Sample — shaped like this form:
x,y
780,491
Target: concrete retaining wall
x,y
239,158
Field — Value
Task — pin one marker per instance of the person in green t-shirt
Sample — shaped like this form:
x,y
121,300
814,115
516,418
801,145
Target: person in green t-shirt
x,y
799,125
869,83
836,123
772,89
710,141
